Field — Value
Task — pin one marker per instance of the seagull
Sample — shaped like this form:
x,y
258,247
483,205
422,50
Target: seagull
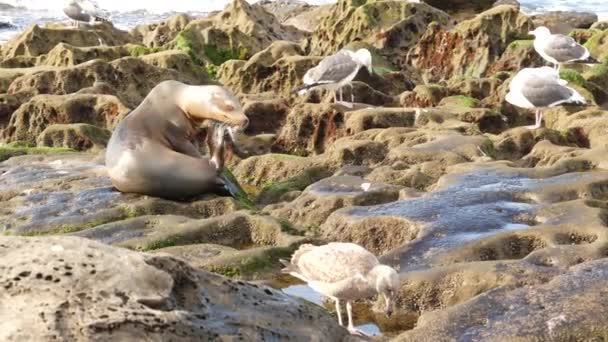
x,y
541,88
559,49
344,272
336,71
84,11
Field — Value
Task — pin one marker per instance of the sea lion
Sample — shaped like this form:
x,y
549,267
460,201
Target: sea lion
x,y
150,152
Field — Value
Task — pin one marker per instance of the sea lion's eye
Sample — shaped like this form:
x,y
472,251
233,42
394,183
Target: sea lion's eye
x,y
228,107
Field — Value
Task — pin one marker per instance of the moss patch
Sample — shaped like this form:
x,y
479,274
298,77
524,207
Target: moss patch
x,y
236,189
139,50
267,261
9,151
460,101
218,57
520,44
274,190
572,76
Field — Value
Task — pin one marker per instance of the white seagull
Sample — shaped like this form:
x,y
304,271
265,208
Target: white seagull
x,y
344,272
559,49
541,88
336,71
85,11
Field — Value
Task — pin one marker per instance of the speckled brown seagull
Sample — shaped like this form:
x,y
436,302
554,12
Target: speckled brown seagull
x,y
344,272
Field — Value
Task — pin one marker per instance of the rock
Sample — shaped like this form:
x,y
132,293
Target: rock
x,y
159,34
131,77
393,27
442,55
586,126
8,104
309,128
68,55
63,193
7,76
265,116
36,41
518,55
319,200
600,25
278,68
160,298
238,32
80,137
34,116
563,21
461,9
284,9
178,61
308,19
513,3
282,171
152,232
423,96
516,143
510,304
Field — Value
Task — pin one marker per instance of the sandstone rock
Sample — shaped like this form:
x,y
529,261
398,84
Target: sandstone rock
x,y
36,41
423,96
476,88
67,55
8,104
238,32
34,116
278,68
513,3
460,116
563,21
265,116
587,126
319,200
178,61
518,55
66,193
461,9
159,34
518,142
7,76
78,137
75,281
282,171
471,47
600,25
308,19
391,26
131,77
284,9
519,306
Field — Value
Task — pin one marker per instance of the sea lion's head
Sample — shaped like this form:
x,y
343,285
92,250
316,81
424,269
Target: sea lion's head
x,y
201,103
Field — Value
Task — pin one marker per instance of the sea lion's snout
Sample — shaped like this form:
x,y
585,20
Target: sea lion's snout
x,y
243,123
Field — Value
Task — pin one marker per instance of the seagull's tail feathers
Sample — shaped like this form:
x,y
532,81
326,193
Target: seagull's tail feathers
x,y
577,99
589,61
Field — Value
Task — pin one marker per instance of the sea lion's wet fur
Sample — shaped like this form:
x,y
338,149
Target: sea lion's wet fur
x,y
151,151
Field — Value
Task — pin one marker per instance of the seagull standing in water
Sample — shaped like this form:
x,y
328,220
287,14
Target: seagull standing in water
x,y
541,88
344,272
336,71
559,49
85,11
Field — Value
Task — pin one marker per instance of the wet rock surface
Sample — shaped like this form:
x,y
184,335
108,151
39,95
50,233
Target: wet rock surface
x,y
498,231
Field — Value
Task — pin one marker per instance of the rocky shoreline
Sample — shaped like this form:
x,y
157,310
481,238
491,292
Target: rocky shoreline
x,y
499,232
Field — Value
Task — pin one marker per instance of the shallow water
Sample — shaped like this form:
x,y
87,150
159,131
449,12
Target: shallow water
x,y
128,14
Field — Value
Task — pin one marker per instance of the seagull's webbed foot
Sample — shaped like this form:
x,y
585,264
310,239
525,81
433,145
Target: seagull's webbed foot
x,y
537,126
345,104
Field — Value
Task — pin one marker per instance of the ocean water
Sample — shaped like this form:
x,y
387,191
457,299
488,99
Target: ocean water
x,y
127,14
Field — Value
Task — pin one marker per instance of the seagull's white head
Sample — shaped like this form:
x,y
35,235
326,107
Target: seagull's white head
x,y
364,57
387,284
540,32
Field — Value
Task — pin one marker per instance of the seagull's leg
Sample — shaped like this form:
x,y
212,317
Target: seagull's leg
x,y
335,99
339,311
341,96
351,328
537,121
352,93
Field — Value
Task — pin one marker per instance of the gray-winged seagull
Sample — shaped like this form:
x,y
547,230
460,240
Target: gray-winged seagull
x,y
541,88
344,272
336,71
559,49
84,11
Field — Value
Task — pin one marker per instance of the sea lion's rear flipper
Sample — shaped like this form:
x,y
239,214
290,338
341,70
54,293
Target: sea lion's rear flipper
x,y
234,188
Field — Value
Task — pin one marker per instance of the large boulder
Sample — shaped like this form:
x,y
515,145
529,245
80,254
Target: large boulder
x,y
159,34
79,137
462,9
36,40
471,47
69,288
131,77
564,21
238,32
68,55
34,116
391,26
